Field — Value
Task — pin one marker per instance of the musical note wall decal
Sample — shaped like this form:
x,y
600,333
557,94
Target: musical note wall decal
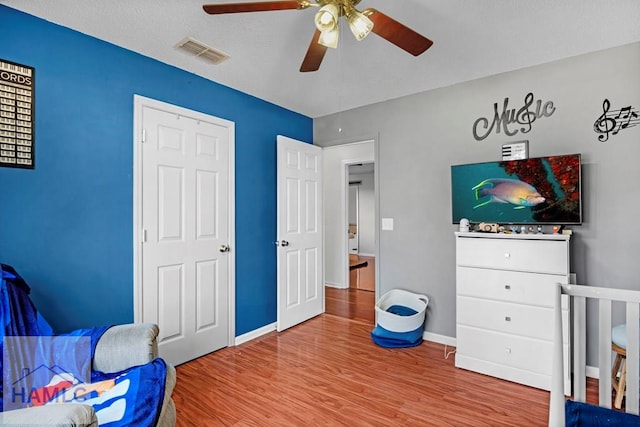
x,y
611,122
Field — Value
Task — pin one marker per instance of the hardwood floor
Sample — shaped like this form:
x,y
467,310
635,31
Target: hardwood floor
x,y
351,303
363,278
328,372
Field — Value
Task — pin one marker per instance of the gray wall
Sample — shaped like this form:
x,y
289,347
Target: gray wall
x,y
422,135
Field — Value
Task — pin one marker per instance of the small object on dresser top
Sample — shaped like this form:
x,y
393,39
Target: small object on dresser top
x,y
488,227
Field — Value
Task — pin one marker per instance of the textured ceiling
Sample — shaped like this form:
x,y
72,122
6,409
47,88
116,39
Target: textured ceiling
x,y
472,39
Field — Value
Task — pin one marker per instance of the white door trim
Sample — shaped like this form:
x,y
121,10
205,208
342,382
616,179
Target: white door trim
x,y
139,102
344,197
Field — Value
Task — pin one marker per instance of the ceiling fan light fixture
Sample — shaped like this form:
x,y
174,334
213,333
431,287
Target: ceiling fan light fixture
x,y
329,38
359,24
327,17
327,23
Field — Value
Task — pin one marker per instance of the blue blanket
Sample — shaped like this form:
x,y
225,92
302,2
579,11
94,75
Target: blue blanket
x,y
578,414
39,368
129,398
390,339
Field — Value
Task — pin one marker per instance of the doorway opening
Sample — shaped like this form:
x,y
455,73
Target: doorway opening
x,y
355,299
361,232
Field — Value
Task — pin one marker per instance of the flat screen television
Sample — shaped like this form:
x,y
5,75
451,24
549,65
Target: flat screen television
x,y
542,190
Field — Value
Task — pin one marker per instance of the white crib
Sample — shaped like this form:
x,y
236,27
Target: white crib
x,y
578,295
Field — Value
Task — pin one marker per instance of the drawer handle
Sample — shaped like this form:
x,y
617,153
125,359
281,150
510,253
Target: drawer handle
x,y
507,287
507,318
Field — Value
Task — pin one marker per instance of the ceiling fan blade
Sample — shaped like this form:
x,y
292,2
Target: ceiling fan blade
x,y
314,56
397,33
258,6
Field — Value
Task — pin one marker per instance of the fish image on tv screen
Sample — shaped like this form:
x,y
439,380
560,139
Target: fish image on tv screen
x,y
541,190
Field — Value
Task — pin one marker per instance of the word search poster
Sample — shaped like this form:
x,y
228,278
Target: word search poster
x,y
17,144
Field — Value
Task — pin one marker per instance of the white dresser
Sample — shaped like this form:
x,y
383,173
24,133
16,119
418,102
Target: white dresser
x,y
505,290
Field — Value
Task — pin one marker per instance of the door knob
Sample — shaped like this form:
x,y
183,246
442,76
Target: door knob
x,y
284,243
224,248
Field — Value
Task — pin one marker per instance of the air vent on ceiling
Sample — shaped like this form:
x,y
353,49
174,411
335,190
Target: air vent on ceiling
x,y
201,50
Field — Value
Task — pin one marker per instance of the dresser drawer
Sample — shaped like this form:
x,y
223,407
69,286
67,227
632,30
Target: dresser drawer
x,y
516,319
511,286
504,349
540,256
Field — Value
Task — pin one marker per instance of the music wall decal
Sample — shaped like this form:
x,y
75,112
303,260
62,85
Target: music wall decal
x,y
523,117
611,122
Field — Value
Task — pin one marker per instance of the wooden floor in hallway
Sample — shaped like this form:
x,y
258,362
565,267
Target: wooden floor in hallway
x,y
354,304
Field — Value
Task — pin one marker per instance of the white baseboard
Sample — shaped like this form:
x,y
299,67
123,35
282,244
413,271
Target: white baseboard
x,y
256,333
367,254
334,285
440,339
592,372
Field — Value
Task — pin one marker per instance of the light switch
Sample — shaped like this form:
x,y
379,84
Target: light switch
x,y
387,224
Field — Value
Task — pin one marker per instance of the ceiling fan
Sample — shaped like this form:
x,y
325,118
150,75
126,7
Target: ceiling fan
x,y
361,23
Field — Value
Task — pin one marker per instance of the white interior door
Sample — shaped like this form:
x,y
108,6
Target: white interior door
x,y
186,229
300,232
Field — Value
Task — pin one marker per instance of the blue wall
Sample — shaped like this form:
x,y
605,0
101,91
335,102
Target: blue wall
x,y
67,225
